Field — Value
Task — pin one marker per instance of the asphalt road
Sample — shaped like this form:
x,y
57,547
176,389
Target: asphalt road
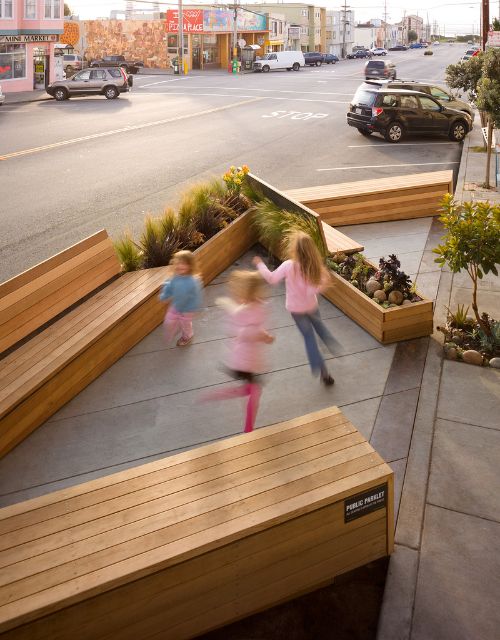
x,y
68,169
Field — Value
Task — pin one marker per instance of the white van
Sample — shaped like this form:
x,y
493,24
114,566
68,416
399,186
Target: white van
x,y
280,60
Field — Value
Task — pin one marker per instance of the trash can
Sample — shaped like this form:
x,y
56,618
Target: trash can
x,y
175,64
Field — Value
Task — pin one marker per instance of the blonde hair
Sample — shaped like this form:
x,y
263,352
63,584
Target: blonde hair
x,y
248,285
305,254
188,258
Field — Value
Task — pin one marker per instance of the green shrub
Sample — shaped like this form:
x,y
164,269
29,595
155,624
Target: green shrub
x,y
128,252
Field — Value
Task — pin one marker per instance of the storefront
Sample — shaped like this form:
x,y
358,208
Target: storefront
x,y
27,61
208,35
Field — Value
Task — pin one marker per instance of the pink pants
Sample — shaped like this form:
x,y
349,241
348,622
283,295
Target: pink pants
x,y
250,389
175,322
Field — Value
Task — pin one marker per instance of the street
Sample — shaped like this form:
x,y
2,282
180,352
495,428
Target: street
x,y
70,168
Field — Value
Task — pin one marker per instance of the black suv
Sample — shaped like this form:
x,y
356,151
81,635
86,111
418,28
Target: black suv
x,y
396,112
360,53
313,58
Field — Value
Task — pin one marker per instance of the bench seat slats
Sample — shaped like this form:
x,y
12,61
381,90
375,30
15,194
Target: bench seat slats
x,y
31,299
199,502
337,242
97,321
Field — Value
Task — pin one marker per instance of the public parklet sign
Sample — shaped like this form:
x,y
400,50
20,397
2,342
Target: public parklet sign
x,y
192,21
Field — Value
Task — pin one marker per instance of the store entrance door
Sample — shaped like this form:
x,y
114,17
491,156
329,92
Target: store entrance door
x,y
196,51
40,69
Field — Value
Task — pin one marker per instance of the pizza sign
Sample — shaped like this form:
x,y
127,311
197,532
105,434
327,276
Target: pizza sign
x,y
192,21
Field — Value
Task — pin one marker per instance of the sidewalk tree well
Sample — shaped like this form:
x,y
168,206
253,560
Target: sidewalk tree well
x,y
480,78
471,243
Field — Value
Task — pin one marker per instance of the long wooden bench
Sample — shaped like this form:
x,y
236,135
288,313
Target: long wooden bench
x,y
378,200
43,373
191,542
335,241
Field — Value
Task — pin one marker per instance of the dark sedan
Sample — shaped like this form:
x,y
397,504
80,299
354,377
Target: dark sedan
x,y
330,58
361,53
399,47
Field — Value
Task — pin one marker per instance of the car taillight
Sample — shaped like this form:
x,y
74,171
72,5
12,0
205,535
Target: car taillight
x,y
376,111
124,74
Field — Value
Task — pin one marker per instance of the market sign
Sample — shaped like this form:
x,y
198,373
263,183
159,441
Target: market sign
x,y
32,37
192,21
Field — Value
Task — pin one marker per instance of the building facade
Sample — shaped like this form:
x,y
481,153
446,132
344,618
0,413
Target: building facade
x,y
29,31
412,23
306,24
339,32
365,35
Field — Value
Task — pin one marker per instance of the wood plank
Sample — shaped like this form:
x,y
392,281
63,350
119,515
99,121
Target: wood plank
x,y
338,242
17,516
34,272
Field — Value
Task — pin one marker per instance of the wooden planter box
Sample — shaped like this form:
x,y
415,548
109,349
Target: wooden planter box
x,y
191,542
414,320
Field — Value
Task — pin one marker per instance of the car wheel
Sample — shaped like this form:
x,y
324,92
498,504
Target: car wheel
x,y
394,132
318,63
265,68
296,66
60,94
458,131
111,93
365,132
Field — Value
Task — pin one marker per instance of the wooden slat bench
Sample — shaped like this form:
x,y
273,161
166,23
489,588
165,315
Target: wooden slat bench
x,y
191,542
335,241
378,200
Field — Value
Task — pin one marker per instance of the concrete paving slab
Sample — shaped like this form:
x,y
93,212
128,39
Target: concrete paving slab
x,y
459,578
408,365
71,447
427,263
363,414
396,244
428,284
394,425
144,376
489,282
397,608
464,471
487,300
469,394
368,232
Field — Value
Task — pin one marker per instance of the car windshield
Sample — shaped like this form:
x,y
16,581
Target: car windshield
x,y
363,97
376,63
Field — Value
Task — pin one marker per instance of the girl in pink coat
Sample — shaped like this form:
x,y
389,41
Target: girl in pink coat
x,y
247,315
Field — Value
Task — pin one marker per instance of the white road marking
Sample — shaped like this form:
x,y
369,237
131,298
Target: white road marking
x,y
320,93
295,115
134,127
380,166
152,84
227,95
395,146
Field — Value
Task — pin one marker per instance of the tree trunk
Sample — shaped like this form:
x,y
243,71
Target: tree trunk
x,y
488,153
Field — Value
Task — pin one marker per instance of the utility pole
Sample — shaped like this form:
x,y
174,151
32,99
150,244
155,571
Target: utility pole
x,y
486,23
180,35
235,36
385,24
343,29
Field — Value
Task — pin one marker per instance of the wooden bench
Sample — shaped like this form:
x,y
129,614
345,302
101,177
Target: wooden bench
x,y
335,241
43,373
378,200
191,542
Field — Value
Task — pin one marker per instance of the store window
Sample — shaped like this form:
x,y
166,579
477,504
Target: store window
x,y
6,8
12,61
210,50
53,9
30,9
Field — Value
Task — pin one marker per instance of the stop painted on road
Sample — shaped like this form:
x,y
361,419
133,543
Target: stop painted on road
x,y
296,115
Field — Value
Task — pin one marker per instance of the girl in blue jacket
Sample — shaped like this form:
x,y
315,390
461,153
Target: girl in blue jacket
x,y
183,291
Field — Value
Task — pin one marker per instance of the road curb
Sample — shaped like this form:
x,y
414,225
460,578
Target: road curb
x,y
462,171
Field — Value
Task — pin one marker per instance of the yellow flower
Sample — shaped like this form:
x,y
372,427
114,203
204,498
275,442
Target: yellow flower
x,y
245,168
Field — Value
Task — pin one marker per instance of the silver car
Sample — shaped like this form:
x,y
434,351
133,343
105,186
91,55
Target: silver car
x,y
72,63
109,82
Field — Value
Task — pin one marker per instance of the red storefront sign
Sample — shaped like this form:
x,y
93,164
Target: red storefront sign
x,y
192,20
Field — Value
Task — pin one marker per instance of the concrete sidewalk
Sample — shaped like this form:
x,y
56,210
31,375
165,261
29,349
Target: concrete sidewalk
x,y
444,577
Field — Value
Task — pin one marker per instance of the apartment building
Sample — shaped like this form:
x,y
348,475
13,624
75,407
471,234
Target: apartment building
x,y
412,23
339,32
306,23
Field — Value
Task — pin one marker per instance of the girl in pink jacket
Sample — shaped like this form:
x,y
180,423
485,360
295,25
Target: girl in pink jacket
x,y
247,315
305,276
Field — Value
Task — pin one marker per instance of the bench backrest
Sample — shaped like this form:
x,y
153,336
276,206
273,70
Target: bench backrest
x,y
39,294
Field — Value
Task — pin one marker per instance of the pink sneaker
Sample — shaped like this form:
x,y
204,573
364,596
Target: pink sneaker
x,y
182,342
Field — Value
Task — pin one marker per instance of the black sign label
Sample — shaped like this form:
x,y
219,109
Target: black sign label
x,y
364,503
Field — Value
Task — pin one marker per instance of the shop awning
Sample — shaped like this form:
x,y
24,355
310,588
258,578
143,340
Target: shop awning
x,y
274,43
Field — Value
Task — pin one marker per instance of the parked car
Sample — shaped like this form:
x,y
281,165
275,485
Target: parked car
x,y
416,45
118,61
2,96
313,58
379,51
289,60
436,43
440,94
396,112
109,82
72,63
360,53
330,58
399,47
375,69
469,54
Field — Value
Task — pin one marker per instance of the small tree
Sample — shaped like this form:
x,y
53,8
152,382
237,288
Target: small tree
x,y
67,10
496,24
412,36
488,100
466,75
472,242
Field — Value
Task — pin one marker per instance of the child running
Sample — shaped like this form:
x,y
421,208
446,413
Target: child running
x,y
247,315
184,292
305,276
